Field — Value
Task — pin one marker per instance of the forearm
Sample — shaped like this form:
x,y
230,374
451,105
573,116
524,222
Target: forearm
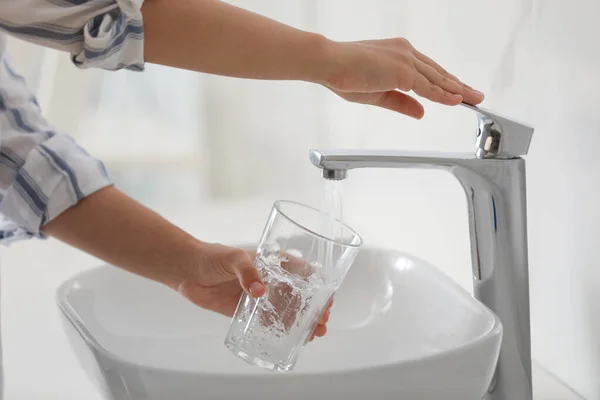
x,y
215,37
117,229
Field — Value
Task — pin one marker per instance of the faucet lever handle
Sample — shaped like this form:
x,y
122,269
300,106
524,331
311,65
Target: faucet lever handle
x,y
500,137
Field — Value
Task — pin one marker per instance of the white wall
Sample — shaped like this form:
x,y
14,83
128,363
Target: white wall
x,y
538,61
563,90
549,75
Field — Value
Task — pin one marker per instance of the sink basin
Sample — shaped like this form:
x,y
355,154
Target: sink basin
x,y
399,328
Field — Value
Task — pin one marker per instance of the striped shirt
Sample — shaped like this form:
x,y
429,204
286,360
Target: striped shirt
x,y
44,172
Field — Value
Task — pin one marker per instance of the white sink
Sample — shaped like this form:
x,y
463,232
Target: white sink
x,y
400,328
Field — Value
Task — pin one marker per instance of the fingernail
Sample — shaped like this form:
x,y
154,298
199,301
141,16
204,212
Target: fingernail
x,y
256,287
478,93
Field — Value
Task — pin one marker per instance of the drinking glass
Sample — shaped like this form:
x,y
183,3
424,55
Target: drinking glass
x,y
303,257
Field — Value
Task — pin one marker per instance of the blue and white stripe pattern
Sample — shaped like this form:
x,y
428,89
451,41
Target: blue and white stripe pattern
x,y
106,34
42,172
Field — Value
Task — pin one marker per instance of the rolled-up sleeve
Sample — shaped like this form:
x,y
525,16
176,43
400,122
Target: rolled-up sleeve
x,y
42,172
107,34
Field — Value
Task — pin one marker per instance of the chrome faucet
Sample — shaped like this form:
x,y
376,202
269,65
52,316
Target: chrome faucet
x,y
494,182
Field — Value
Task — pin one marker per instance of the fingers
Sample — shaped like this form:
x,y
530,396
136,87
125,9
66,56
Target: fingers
x,y
325,316
321,328
247,275
434,76
320,331
400,102
425,88
469,94
296,265
251,254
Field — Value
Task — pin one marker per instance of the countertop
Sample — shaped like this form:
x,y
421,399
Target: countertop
x,y
38,361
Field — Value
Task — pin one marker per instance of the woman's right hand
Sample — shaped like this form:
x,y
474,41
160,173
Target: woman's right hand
x,y
219,38
376,72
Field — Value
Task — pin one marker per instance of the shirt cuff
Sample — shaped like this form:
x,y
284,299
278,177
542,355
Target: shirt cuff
x,y
56,175
114,40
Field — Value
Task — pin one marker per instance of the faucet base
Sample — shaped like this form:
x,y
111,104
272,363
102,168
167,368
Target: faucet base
x,y
496,198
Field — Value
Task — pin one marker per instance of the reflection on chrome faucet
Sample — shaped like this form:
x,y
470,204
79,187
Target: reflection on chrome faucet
x,y
493,178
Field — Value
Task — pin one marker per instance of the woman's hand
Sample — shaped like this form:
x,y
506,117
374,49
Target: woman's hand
x,y
218,38
220,276
376,72
115,228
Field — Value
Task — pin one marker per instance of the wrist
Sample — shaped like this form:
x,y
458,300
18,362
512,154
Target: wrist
x,y
320,63
185,263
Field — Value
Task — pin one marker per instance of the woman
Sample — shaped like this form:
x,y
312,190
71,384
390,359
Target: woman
x,y
50,186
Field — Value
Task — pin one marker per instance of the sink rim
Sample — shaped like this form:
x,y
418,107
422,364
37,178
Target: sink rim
x,y
74,319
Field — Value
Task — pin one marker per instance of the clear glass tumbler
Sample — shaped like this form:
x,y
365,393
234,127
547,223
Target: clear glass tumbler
x,y
303,257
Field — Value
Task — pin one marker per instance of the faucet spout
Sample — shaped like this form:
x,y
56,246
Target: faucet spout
x,y
496,198
344,160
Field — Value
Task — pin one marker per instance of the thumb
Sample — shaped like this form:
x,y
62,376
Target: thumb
x,y
248,276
